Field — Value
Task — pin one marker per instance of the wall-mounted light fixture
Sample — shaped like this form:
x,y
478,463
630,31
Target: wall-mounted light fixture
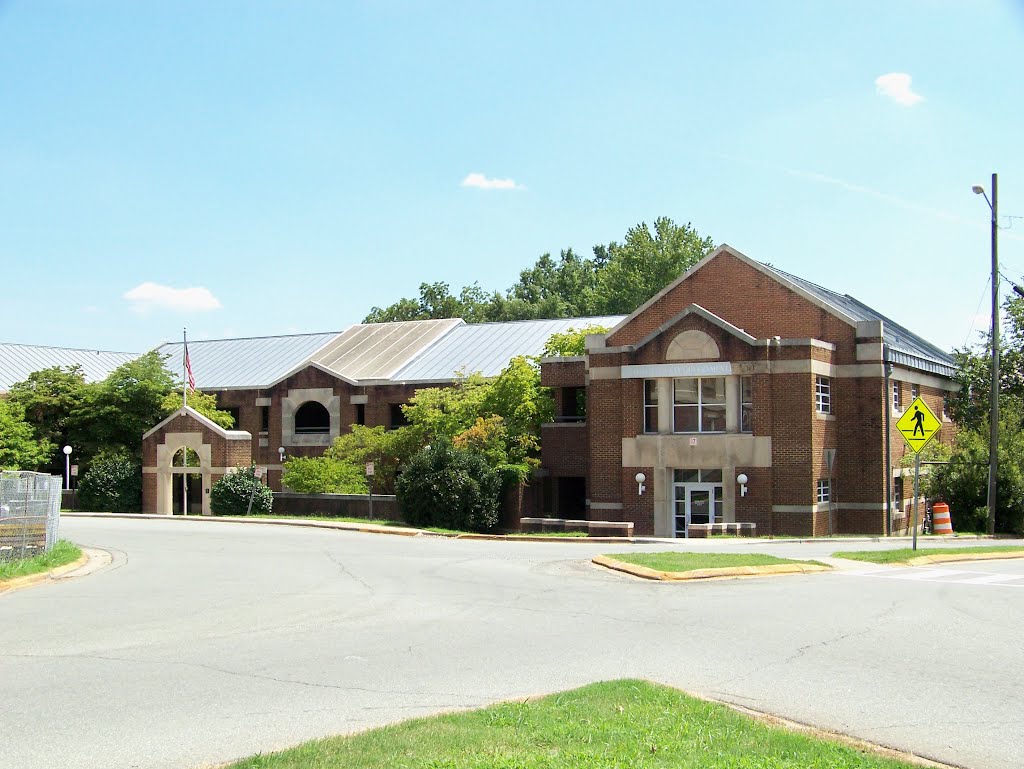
x,y
640,478
741,479
280,454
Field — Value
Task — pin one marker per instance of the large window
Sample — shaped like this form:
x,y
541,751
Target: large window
x,y
699,405
746,404
823,394
312,418
650,405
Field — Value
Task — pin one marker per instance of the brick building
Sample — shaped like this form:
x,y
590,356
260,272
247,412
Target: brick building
x,y
293,395
739,369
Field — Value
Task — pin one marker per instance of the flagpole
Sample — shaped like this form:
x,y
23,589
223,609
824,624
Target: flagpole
x,y
184,404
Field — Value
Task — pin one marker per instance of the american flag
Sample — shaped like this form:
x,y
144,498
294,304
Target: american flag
x,y
188,371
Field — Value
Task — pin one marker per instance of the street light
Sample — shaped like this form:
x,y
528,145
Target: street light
x,y
993,444
67,467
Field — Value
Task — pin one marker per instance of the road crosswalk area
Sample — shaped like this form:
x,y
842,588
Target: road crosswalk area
x,y
945,576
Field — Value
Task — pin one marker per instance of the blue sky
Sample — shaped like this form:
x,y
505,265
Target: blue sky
x,y
251,168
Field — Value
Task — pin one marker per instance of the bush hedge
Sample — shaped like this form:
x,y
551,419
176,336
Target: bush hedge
x,y
449,488
111,484
231,494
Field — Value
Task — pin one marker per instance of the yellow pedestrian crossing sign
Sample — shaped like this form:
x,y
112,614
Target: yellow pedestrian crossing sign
x,y
918,425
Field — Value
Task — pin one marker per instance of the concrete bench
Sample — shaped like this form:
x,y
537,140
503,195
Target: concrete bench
x,y
592,528
699,530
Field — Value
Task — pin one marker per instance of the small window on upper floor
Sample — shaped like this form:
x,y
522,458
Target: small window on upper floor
x,y
823,394
398,418
264,419
897,396
360,413
915,392
746,404
650,405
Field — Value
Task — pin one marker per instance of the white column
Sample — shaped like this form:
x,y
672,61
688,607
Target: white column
x,y
665,406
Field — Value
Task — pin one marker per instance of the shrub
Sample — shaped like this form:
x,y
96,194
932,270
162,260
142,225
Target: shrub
x,y
231,494
324,475
113,484
449,488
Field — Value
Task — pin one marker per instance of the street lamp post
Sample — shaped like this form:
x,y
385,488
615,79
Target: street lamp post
x,y
993,445
67,467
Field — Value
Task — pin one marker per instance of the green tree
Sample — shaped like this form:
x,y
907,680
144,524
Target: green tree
x,y
48,398
204,403
571,342
20,448
231,494
437,413
117,411
645,262
450,488
324,475
387,449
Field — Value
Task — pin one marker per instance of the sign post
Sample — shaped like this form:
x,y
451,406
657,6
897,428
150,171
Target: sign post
x,y
257,473
369,481
918,426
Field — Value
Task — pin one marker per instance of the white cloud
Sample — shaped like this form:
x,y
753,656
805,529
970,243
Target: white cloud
x,y
152,296
481,182
896,86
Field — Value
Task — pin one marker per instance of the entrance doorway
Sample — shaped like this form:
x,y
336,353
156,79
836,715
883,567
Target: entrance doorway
x,y
191,489
697,498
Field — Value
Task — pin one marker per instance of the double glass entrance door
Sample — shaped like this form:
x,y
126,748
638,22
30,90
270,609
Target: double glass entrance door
x,y
697,501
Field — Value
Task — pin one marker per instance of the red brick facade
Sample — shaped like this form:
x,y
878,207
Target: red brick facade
x,y
782,341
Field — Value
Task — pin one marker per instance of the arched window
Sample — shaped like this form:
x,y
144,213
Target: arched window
x,y
312,418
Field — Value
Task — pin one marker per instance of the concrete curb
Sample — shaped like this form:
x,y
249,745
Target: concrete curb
x,y
363,528
726,571
924,560
28,580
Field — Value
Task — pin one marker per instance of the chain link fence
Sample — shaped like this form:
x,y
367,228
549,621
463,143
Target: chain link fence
x,y
29,513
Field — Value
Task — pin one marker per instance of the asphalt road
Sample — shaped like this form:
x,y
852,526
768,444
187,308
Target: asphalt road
x,y
204,642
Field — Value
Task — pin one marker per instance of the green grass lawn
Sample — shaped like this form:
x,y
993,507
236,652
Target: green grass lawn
x,y
905,554
61,553
692,561
620,724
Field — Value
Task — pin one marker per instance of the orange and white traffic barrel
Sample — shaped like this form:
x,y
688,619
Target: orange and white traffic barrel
x,y
941,522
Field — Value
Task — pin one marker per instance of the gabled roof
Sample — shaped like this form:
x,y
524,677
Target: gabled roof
x,y
248,363
17,361
696,309
487,348
906,348
378,350
188,411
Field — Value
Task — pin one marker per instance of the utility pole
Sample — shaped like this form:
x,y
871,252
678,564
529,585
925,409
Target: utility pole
x,y
993,443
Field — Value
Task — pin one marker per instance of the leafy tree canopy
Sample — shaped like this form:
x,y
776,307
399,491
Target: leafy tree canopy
x,y
48,397
20,448
617,279
204,403
571,342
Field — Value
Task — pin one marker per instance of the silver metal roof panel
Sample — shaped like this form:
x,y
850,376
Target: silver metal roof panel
x,y
909,349
254,362
17,361
487,348
377,350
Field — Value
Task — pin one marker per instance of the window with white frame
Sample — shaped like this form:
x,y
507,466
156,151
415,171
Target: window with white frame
x,y
897,397
699,405
650,405
746,404
915,392
823,394
824,491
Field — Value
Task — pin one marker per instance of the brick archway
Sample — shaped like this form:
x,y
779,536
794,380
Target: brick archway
x,y
219,451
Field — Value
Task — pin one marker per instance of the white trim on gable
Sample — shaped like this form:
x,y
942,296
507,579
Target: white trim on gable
x,y
231,435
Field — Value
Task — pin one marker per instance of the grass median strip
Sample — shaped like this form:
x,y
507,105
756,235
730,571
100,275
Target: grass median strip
x,y
63,552
680,562
613,724
905,555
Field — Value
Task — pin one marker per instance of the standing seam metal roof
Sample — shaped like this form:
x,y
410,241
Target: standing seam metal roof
x,y
17,361
251,363
487,348
907,348
377,350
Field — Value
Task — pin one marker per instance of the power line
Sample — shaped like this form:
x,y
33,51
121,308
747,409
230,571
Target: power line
x,y
977,309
